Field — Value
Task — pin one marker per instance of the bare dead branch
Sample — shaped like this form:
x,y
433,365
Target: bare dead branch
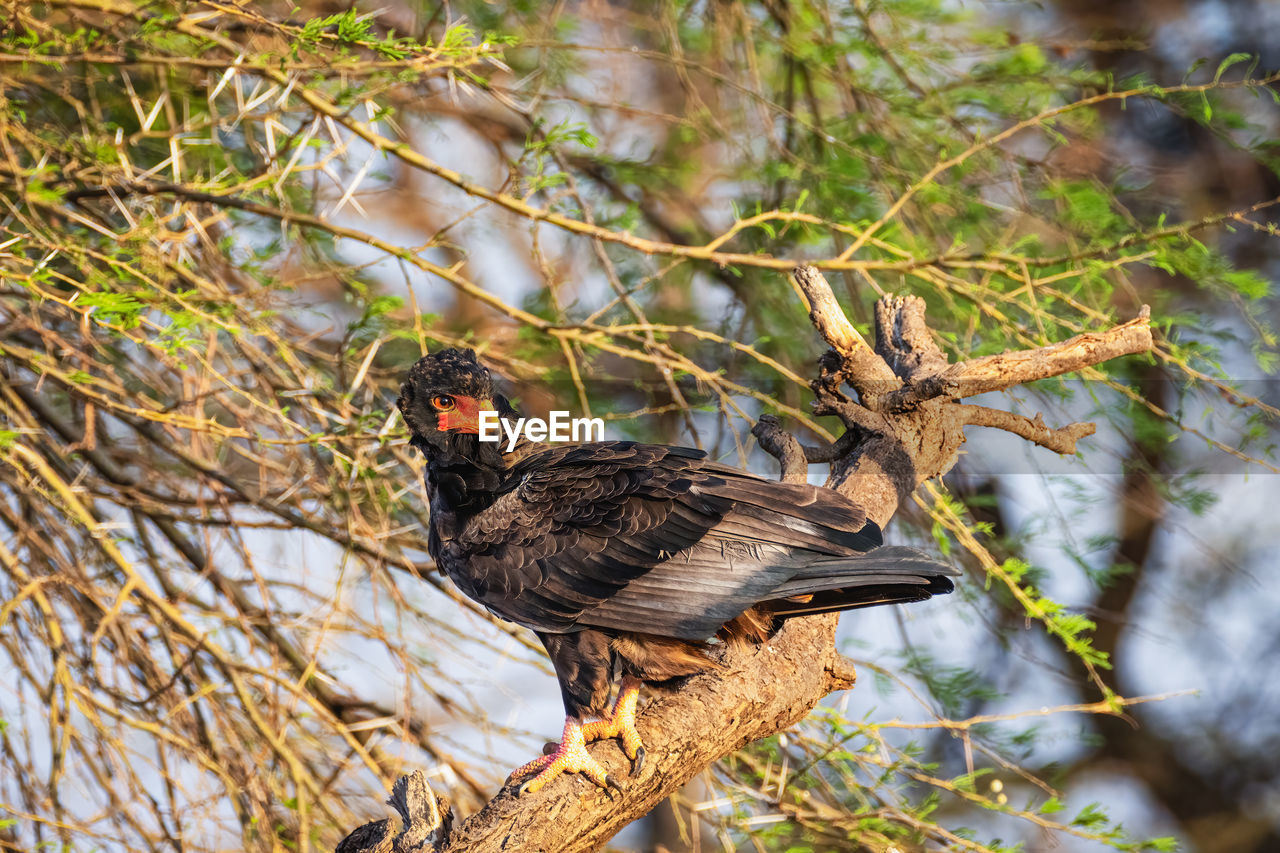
x,y
784,447
999,372
761,690
864,370
903,339
1061,440
425,821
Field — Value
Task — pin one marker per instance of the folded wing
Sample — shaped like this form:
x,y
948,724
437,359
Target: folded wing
x,y
653,539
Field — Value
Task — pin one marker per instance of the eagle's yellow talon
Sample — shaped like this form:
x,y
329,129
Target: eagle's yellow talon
x,y
570,757
621,723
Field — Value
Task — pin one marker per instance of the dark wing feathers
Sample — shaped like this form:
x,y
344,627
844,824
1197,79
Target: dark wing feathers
x,y
694,593
654,539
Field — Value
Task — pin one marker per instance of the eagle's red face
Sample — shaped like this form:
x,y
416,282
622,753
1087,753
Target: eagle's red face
x,y
459,413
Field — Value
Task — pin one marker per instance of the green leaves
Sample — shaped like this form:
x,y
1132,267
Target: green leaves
x,y
1086,206
121,309
1234,59
1248,283
351,29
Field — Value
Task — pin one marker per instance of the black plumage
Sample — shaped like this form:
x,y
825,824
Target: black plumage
x,y
628,558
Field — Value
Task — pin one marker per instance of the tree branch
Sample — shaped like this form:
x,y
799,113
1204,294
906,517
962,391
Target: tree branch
x,y
903,338
863,369
784,447
1061,440
1003,371
426,821
762,690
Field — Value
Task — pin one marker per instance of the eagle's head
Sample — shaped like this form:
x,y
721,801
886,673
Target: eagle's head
x,y
441,400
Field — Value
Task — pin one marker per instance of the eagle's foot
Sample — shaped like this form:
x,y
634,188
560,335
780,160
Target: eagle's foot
x,y
621,723
570,757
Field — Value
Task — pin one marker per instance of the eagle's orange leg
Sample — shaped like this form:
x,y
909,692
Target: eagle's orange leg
x,y
621,723
570,757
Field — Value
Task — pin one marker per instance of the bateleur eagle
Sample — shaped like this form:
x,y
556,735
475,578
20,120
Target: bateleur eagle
x,y
626,559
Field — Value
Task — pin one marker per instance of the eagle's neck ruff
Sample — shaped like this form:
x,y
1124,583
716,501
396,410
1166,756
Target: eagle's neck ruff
x,y
463,483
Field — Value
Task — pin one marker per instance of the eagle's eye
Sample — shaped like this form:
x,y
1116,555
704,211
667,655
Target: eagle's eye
x,y
443,403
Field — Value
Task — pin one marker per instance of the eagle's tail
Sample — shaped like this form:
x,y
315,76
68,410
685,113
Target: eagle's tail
x,y
887,575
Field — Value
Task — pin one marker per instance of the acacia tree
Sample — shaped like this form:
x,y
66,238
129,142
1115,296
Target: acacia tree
x,y
229,229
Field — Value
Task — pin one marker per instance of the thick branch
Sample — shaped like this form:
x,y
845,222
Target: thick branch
x,y
784,447
760,691
903,338
910,426
1016,367
426,821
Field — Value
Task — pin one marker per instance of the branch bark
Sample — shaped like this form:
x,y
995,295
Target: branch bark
x,y
1007,369
859,365
905,427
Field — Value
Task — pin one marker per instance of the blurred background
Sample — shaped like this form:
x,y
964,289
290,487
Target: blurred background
x,y
228,228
